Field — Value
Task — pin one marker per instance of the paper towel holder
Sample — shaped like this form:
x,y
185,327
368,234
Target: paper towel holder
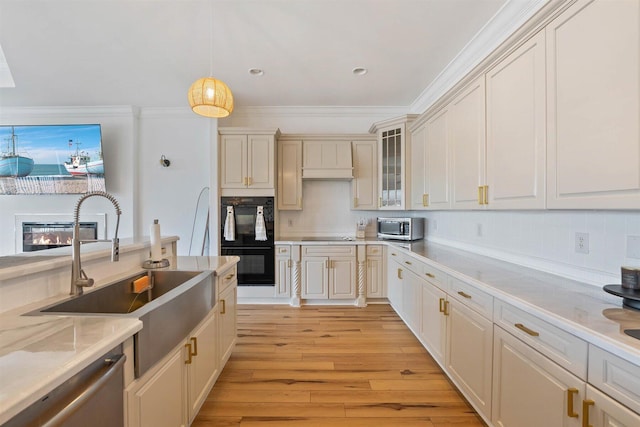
x,y
164,161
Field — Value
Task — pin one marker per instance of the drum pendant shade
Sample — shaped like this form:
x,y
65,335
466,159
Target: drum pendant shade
x,y
210,97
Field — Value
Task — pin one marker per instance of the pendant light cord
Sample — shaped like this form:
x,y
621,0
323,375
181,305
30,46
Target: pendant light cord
x,y
211,38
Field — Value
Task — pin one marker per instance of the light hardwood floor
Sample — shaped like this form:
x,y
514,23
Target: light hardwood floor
x,y
331,366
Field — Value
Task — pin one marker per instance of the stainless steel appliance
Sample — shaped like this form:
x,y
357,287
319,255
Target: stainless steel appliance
x,y
257,257
92,397
401,228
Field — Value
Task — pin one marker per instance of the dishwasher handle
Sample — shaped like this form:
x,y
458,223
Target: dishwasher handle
x,y
114,364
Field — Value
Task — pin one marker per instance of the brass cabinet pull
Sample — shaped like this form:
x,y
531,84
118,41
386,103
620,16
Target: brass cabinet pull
x,y
355,202
229,276
446,308
585,412
224,307
571,392
464,294
245,181
527,330
480,197
486,195
393,254
194,340
408,262
189,354
289,263
282,250
249,181
433,276
441,308
399,273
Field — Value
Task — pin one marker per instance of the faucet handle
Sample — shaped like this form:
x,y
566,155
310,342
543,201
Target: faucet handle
x,y
115,250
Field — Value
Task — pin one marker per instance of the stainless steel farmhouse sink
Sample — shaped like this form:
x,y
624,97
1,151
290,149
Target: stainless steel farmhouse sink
x,y
169,311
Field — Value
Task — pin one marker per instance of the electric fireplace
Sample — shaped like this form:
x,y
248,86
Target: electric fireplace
x,y
37,236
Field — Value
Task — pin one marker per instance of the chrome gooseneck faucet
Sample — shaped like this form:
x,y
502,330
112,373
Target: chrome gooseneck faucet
x,y
79,279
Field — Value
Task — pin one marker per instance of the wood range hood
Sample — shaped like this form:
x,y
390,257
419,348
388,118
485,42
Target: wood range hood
x,y
327,159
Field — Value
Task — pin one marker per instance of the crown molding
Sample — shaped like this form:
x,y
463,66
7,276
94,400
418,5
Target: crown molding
x,y
311,111
79,112
511,16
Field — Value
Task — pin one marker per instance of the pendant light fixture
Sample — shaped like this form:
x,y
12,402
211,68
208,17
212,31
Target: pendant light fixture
x,y
209,96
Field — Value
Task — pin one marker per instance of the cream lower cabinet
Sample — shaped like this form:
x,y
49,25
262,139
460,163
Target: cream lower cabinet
x,y
329,272
433,327
469,354
603,411
395,282
529,390
375,272
227,287
283,271
179,383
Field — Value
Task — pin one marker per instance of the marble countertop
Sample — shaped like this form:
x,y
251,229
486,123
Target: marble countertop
x,y
38,353
584,310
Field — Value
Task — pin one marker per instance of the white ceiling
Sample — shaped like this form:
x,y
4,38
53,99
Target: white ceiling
x,y
147,52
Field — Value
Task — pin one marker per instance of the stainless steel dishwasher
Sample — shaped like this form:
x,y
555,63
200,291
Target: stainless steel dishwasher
x,y
93,397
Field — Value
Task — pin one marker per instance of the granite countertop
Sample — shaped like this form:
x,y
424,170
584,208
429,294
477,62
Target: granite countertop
x,y
38,353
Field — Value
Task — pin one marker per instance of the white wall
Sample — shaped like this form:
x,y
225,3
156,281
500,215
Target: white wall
x,y
133,142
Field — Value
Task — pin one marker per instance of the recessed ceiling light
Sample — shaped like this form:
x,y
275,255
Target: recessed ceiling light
x,y
256,71
359,71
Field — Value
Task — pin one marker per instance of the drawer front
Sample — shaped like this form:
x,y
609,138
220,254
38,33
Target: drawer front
x,y
434,276
227,278
615,376
374,250
284,250
330,251
472,297
565,349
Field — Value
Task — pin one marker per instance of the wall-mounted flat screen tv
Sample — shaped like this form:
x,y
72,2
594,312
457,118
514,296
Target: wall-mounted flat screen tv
x,y
51,159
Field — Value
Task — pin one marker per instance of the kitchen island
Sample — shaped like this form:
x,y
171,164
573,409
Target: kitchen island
x,y
40,352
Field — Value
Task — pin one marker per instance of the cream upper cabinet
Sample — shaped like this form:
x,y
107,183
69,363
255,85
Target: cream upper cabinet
x,y
429,163
468,146
516,131
364,186
326,159
392,141
289,194
593,87
247,161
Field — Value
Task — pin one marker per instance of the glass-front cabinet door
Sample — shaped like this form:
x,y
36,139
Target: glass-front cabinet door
x,y
392,142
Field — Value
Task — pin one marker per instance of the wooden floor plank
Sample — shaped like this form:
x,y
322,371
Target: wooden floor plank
x,y
331,366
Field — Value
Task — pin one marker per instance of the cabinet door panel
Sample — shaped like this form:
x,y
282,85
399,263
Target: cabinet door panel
x,y
283,276
289,175
227,328
375,277
315,277
260,161
469,354
530,390
365,178
606,412
468,145
204,366
593,82
233,161
342,278
433,329
437,160
417,170
516,128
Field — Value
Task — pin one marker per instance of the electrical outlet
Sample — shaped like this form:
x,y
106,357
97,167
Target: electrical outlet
x,y
582,243
633,247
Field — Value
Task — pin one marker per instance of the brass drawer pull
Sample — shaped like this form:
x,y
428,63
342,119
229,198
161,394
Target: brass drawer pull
x,y
464,294
399,273
585,412
189,354
223,310
441,308
570,394
527,330
194,340
407,262
446,308
433,276
229,276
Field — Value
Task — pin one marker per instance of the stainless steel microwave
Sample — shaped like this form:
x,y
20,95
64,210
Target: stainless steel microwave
x,y
401,228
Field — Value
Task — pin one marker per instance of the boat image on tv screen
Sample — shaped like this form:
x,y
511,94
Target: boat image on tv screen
x,y
51,159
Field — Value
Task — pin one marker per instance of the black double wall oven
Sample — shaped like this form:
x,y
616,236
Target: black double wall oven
x,y
257,257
